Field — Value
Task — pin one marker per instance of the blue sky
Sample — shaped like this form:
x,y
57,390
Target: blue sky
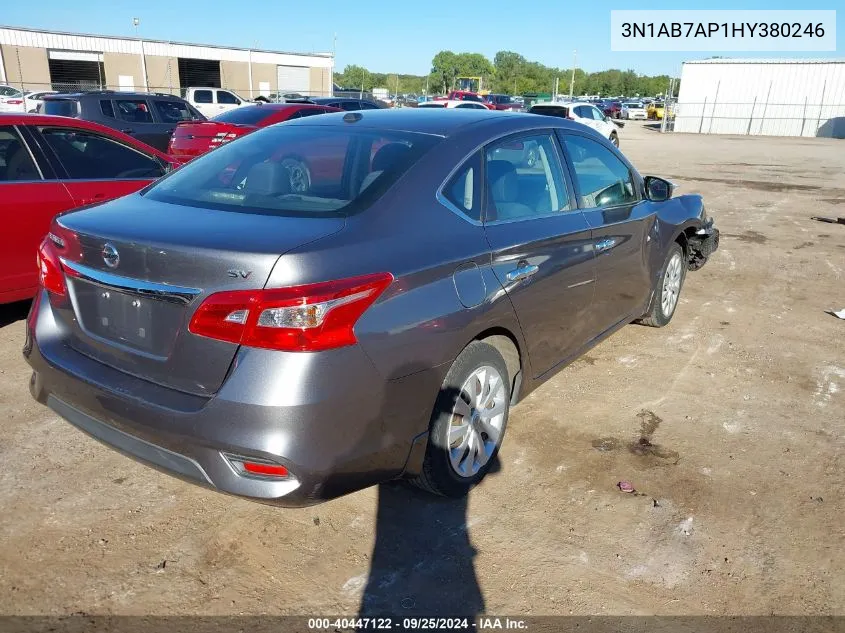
x,y
389,36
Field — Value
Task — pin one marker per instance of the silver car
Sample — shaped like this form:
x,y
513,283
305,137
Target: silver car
x,y
336,301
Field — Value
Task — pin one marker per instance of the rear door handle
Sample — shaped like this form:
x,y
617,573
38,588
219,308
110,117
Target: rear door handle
x,y
128,131
524,271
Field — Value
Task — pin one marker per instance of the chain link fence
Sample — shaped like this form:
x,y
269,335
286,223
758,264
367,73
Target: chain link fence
x,y
756,118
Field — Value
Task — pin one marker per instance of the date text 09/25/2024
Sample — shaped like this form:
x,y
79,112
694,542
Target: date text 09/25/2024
x,y
486,623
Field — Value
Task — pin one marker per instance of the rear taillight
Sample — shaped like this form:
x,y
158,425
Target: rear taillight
x,y
14,101
305,318
50,268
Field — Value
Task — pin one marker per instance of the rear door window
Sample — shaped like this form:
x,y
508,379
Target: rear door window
x,y
350,105
16,162
524,179
85,155
133,110
203,96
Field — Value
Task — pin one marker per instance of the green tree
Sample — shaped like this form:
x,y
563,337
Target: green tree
x,y
444,69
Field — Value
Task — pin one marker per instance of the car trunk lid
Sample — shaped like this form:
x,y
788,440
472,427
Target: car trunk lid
x,y
192,138
138,269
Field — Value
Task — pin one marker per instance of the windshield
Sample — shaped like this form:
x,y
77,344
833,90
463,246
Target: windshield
x,y
295,171
250,115
633,105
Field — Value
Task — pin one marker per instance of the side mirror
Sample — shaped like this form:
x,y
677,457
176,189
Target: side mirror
x,y
658,189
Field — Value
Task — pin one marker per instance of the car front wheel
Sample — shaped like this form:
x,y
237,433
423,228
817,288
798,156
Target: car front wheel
x,y
468,422
668,291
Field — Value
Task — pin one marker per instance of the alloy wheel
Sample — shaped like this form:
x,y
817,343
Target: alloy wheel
x,y
477,421
671,285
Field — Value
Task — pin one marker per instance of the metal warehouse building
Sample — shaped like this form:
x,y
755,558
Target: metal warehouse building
x,y
771,97
38,60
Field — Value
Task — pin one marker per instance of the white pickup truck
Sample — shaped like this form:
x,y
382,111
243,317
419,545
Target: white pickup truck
x,y
214,101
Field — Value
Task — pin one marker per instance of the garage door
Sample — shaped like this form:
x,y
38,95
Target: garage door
x,y
294,79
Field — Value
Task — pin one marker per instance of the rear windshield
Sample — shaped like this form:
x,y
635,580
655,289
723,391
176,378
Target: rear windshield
x,y
432,104
295,170
550,111
60,107
250,115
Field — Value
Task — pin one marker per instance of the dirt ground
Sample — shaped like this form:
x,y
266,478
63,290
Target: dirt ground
x,y
739,503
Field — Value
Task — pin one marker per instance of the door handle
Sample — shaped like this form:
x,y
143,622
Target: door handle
x,y
524,271
128,131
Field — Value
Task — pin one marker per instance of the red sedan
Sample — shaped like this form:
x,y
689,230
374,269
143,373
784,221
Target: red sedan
x,y
193,138
50,164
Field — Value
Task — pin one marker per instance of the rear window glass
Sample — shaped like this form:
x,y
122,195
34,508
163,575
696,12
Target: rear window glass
x,y
250,115
61,107
295,171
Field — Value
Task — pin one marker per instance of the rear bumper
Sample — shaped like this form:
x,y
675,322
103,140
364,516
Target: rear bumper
x,y
335,427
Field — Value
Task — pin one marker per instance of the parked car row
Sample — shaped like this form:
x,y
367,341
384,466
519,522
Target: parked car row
x,y
14,100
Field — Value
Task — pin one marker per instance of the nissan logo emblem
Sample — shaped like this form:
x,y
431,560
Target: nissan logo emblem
x,y
110,256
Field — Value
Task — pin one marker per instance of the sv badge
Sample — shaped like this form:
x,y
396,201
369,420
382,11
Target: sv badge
x,y
239,274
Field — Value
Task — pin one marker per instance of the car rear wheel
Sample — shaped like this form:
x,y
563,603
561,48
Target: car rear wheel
x,y
668,291
468,422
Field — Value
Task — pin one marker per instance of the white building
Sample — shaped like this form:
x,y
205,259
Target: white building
x,y
770,97
32,59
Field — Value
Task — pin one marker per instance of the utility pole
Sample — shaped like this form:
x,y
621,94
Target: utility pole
x,y
572,81
334,57
363,73
136,22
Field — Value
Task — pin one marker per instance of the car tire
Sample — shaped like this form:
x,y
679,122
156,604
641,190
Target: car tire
x,y
671,281
462,449
614,138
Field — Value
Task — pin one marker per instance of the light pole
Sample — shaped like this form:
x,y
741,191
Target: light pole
x,y
334,57
255,44
572,80
136,22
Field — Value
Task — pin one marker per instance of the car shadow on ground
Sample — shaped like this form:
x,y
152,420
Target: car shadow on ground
x,y
13,312
422,564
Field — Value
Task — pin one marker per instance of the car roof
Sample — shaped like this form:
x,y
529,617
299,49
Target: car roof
x,y
20,118
433,121
100,94
323,100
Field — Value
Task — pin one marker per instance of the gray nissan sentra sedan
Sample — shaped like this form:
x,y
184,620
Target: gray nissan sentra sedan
x,y
341,300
